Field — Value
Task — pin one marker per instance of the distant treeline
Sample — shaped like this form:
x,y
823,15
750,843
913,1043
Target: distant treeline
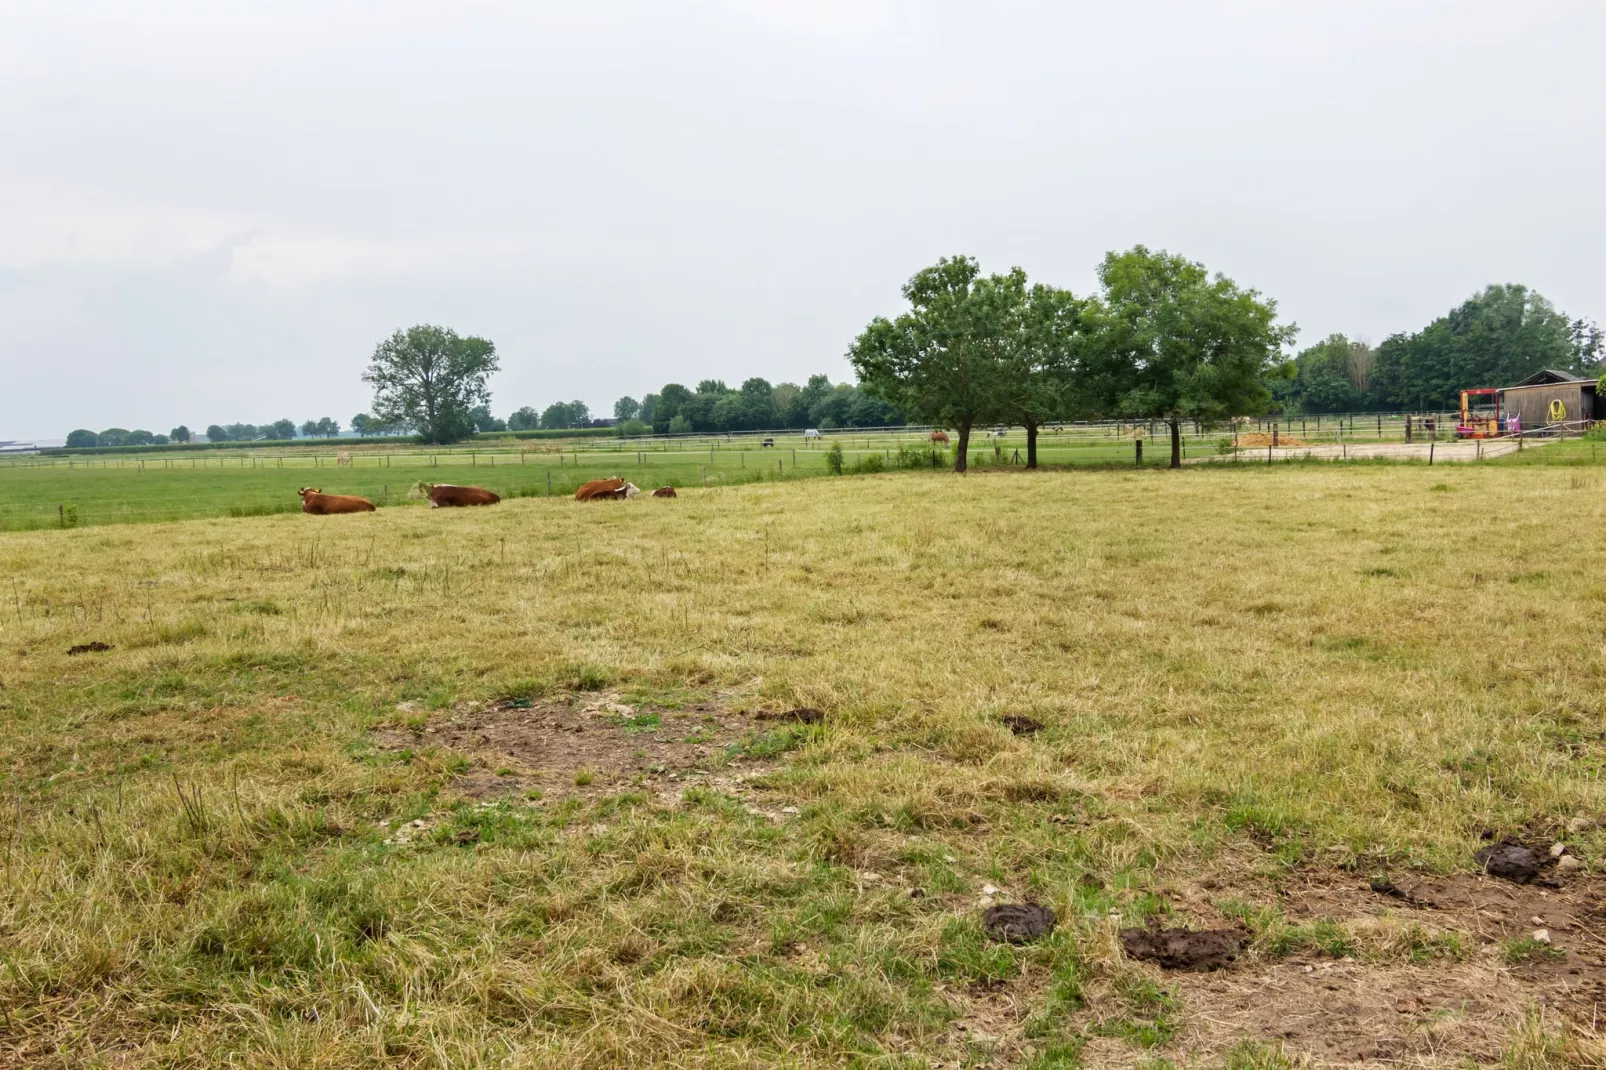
x,y
278,431
195,447
756,406
1496,338
712,407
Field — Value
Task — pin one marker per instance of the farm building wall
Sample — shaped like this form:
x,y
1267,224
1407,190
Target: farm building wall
x,y
1532,403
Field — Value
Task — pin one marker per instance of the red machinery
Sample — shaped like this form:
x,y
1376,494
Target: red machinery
x,y
1480,414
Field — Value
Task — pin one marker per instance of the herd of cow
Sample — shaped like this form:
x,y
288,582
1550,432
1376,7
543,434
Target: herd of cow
x,y
315,501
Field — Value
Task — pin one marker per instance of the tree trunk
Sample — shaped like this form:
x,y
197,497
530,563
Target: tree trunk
x,y
1176,443
962,451
1031,445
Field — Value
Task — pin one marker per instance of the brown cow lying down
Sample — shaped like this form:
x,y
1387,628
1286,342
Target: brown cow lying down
x,y
598,489
318,503
664,492
446,494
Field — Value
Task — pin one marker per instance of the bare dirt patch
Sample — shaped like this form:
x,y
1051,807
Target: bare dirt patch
x,y
589,745
1441,969
1341,1013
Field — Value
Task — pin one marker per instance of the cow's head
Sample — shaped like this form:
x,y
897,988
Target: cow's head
x,y
631,490
304,491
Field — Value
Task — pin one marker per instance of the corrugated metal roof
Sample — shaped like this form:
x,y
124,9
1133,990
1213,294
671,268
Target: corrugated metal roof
x,y
1550,377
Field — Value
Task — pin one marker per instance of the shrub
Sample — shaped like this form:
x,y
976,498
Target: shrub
x,y
833,458
920,457
871,463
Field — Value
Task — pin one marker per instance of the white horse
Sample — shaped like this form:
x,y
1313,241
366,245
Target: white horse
x,y
810,434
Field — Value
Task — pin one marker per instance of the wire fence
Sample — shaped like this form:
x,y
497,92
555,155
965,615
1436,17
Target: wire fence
x,y
68,491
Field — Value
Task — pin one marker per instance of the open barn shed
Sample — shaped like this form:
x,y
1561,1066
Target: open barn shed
x,y
1551,397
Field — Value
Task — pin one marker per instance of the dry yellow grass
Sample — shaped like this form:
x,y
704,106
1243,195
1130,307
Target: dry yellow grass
x,y
1316,666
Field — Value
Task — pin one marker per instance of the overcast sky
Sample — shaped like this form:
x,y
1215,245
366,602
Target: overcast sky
x,y
211,211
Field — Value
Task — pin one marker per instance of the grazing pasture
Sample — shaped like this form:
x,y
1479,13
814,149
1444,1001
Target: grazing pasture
x,y
730,780
92,488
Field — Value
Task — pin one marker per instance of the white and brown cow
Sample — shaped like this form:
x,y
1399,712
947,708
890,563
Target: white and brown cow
x,y
599,489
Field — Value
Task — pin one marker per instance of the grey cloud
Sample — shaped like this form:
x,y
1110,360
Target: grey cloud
x,y
213,211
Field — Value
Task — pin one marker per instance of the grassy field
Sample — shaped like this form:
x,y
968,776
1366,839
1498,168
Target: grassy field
x,y
89,490
497,788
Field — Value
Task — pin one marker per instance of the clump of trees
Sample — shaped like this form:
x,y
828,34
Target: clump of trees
x,y
1163,341
277,431
323,427
755,406
1495,338
82,438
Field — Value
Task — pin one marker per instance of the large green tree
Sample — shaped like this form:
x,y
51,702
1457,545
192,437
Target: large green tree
x,y
1048,366
1189,345
942,361
432,379
83,439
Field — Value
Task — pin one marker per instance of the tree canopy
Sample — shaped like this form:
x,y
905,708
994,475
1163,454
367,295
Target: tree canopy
x,y
944,361
323,427
1164,340
564,415
431,378
1048,366
1495,338
1186,345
